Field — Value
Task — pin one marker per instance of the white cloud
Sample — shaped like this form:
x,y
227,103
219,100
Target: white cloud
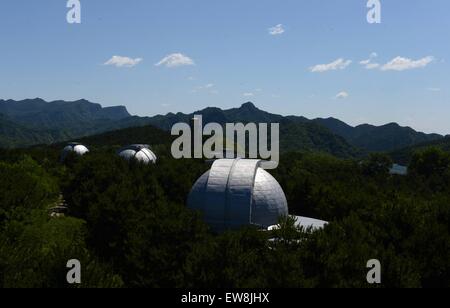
x,y
402,64
206,86
371,66
368,63
339,64
175,60
249,94
209,86
119,61
277,30
372,56
342,95
434,89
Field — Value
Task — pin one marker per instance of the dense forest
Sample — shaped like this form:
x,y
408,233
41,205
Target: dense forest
x,y
129,226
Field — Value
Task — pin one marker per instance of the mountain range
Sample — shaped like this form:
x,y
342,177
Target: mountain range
x,y
383,138
35,121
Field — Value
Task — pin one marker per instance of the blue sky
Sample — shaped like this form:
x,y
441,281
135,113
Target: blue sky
x,y
223,54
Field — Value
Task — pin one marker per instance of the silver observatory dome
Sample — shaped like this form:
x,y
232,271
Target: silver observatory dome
x,y
138,152
76,148
237,193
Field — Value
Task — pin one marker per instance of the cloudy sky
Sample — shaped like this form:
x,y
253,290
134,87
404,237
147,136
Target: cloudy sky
x,y
317,58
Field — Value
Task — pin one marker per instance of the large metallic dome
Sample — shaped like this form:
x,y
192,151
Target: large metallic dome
x,y
76,148
138,152
236,193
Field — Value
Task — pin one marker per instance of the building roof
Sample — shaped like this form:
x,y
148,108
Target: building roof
x,y
398,170
75,148
307,222
237,192
138,152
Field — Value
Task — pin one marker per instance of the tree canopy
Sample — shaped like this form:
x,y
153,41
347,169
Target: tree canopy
x,y
129,226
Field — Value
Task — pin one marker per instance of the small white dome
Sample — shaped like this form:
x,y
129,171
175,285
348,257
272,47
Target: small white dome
x,y
138,152
236,193
76,148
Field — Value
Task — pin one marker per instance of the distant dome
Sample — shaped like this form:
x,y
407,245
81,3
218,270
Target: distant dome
x,y
76,148
138,152
236,193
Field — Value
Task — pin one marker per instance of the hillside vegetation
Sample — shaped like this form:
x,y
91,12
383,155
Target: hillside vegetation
x,y
129,226
31,122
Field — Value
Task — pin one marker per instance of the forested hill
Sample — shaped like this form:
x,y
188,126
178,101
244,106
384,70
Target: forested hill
x,y
37,122
296,133
134,135
383,138
13,134
405,155
300,133
37,112
34,121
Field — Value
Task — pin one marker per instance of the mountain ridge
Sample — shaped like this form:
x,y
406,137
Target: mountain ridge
x,y
387,137
33,121
49,122
294,135
21,111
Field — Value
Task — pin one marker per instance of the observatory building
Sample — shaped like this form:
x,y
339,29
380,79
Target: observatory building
x,y
138,152
76,148
237,193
